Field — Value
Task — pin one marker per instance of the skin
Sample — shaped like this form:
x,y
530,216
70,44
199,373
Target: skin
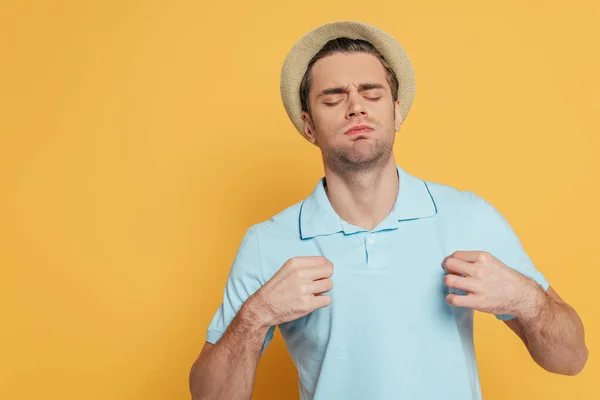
x,y
227,370
360,170
361,184
550,329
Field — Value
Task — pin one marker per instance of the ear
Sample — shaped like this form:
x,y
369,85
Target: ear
x,y
397,116
309,132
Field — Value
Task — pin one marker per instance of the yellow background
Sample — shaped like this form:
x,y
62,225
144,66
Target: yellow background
x,y
140,139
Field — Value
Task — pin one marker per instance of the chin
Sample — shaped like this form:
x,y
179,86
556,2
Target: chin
x,y
361,161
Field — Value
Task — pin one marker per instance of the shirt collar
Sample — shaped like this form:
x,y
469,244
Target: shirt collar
x,y
413,201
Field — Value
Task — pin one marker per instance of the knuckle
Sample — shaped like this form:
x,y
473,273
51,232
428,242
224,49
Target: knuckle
x,y
484,257
319,260
303,289
450,299
448,279
291,262
326,285
326,263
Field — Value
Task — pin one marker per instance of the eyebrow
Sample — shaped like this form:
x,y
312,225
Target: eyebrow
x,y
340,89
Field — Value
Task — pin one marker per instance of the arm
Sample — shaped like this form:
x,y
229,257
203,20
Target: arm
x,y
550,328
227,369
553,334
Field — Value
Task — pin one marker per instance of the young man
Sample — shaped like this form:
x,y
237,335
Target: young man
x,y
411,259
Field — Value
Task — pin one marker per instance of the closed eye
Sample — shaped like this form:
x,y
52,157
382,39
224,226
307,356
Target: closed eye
x,y
330,104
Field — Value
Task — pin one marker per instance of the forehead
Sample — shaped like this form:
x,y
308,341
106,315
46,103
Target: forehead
x,y
341,69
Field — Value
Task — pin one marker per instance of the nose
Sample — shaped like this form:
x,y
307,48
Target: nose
x,y
356,108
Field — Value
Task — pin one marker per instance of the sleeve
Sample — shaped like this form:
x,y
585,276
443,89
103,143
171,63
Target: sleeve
x,y
501,241
245,278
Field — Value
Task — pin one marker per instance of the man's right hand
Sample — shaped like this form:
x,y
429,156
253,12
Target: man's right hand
x,y
293,292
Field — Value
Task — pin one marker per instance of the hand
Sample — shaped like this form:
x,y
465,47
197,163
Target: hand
x,y
491,286
294,291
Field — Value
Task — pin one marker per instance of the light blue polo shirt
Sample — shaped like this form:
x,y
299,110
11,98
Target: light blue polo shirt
x,y
388,333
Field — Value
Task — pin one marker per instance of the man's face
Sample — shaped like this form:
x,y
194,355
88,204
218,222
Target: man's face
x,y
348,90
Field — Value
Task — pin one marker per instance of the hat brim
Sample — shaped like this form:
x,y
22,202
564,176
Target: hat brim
x,y
296,62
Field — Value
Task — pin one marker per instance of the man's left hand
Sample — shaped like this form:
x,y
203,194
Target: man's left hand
x,y
491,286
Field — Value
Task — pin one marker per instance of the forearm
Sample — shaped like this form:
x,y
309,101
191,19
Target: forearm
x,y
229,368
554,336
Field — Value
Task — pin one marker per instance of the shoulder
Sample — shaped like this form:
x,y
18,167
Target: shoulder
x,y
468,220
470,209
451,200
283,224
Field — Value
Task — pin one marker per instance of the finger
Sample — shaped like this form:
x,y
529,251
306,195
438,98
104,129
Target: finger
x,y
466,301
321,286
319,272
459,267
313,273
468,256
320,301
307,261
458,282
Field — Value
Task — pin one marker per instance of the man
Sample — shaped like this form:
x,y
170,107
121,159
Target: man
x,y
411,259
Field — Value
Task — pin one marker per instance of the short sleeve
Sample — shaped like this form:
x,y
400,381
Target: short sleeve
x,y
501,241
245,278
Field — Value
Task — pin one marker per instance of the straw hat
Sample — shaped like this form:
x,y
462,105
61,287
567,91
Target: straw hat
x,y
296,62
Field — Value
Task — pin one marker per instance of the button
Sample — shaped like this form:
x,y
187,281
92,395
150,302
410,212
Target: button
x,y
371,240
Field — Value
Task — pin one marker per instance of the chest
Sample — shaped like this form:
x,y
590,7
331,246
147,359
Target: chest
x,y
384,283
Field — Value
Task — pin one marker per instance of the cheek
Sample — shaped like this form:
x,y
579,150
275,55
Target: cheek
x,y
387,117
326,124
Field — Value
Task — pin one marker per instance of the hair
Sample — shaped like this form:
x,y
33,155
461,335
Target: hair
x,y
345,45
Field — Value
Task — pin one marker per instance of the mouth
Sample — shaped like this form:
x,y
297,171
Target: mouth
x,y
358,130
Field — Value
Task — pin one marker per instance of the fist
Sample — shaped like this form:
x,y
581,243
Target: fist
x,y
294,291
490,285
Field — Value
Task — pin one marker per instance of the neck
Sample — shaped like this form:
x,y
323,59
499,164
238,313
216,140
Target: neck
x,y
363,198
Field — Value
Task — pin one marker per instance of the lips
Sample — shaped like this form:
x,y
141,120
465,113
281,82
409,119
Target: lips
x,y
358,129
